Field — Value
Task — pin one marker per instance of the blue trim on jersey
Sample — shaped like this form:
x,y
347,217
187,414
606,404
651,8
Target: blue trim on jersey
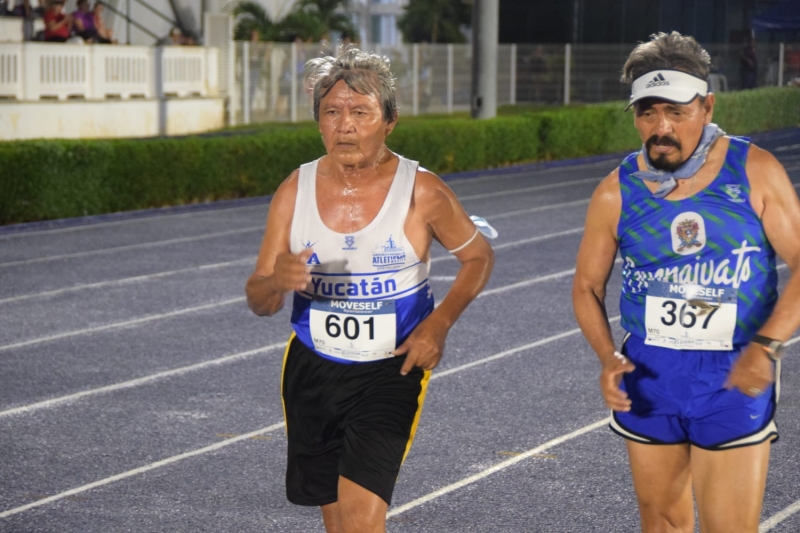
x,y
409,310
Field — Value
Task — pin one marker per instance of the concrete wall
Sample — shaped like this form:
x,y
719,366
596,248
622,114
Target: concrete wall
x,y
109,119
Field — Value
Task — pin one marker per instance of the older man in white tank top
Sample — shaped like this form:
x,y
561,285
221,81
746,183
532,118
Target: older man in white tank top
x,y
350,236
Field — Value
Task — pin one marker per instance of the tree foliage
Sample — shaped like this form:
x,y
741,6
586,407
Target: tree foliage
x,y
251,16
310,20
435,21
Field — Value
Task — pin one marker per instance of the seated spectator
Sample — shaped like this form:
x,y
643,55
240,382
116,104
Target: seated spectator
x,y
104,33
58,26
17,8
83,20
175,36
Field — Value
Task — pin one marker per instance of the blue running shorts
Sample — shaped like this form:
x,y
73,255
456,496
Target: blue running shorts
x,y
677,396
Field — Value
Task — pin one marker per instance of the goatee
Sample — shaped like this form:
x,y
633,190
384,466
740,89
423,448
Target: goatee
x,y
661,162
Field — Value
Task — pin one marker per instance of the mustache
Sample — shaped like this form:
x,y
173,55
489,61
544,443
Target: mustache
x,y
655,140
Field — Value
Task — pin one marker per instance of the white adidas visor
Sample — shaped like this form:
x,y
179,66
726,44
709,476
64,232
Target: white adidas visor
x,y
670,85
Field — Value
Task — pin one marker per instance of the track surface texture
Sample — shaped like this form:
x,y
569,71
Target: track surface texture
x,y
139,394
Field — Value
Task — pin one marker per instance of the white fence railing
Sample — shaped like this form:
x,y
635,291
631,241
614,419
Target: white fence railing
x,y
435,78
36,71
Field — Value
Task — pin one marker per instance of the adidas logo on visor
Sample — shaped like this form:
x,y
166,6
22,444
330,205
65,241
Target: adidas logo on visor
x,y
658,81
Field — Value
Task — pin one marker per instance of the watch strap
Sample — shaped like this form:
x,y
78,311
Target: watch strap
x,y
773,347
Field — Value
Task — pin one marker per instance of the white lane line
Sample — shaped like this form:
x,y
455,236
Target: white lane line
x,y
538,238
496,468
131,247
217,446
241,299
779,517
140,381
245,260
528,189
512,351
140,470
785,148
536,209
123,281
261,228
182,370
123,324
533,281
523,172
279,425
36,233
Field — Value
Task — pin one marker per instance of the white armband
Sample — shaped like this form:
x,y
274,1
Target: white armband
x,y
454,250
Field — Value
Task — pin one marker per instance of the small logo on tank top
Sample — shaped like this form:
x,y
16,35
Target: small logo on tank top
x,y
388,254
733,192
349,241
314,259
688,233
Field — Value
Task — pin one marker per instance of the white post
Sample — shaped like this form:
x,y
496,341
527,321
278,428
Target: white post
x,y
485,28
293,74
415,79
450,78
232,100
246,82
781,52
23,75
274,80
513,98
567,69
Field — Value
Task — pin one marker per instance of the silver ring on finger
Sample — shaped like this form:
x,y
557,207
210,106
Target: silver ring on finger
x,y
755,391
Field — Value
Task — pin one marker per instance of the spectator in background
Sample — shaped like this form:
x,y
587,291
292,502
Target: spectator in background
x,y
58,26
749,64
104,33
83,21
175,36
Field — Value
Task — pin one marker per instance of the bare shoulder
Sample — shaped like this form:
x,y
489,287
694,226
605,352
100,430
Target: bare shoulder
x,y
287,190
286,194
430,191
769,182
762,165
607,193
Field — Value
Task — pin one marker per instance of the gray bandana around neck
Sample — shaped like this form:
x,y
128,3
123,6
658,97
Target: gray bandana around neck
x,y
666,180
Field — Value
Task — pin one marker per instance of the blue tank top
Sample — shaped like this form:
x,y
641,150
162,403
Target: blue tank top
x,y
711,239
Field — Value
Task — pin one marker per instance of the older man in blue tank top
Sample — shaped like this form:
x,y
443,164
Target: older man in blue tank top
x,y
698,218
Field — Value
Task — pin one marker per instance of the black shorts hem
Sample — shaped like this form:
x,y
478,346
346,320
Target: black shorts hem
x,y
318,502
387,499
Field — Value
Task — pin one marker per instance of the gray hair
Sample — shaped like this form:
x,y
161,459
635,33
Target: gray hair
x,y
667,51
363,72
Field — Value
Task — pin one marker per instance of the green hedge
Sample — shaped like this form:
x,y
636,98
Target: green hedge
x,y
42,180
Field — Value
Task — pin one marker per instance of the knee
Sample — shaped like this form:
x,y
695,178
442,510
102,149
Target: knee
x,y
661,519
355,519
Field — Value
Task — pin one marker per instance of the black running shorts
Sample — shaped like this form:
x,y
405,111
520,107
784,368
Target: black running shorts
x,y
351,420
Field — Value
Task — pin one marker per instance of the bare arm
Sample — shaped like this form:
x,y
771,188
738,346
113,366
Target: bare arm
x,y
780,214
775,199
277,271
594,265
439,210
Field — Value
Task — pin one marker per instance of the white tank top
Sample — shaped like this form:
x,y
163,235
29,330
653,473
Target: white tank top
x,y
369,289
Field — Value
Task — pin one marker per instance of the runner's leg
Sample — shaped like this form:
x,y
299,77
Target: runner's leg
x,y
663,484
729,487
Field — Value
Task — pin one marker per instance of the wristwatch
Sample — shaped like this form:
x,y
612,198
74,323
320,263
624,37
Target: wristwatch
x,y
773,347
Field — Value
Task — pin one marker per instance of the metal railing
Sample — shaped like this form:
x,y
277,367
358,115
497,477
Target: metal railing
x,y
435,78
36,71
